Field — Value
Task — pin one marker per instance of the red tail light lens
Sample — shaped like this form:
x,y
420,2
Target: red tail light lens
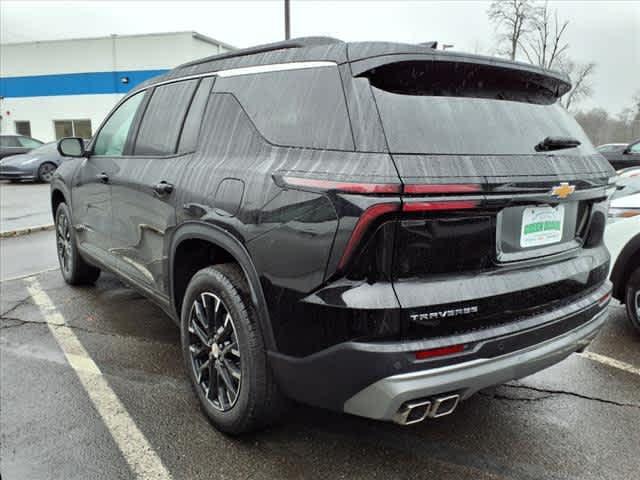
x,y
442,188
439,352
438,206
364,222
345,187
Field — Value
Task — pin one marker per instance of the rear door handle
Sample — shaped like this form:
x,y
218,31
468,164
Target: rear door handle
x,y
163,188
103,177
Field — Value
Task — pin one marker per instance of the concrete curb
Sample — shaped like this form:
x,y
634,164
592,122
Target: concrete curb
x,y
25,231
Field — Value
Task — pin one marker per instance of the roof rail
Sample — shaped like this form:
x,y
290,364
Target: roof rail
x,y
269,47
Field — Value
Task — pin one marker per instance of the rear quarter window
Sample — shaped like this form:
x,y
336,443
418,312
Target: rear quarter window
x,y
191,128
300,108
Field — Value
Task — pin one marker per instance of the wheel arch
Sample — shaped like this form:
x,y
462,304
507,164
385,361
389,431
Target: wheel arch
x,y
58,196
628,260
221,239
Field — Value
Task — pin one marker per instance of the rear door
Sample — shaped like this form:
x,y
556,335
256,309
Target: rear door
x,y
143,185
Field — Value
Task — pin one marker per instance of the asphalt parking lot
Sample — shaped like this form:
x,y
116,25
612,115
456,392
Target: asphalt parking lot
x,y
24,205
92,386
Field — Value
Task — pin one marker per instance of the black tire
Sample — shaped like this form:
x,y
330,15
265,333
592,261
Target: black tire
x,y
632,298
46,171
74,269
257,402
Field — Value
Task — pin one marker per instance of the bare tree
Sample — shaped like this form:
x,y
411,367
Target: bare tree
x,y
513,17
580,76
544,44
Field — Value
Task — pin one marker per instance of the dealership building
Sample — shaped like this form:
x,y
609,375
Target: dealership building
x,y
59,88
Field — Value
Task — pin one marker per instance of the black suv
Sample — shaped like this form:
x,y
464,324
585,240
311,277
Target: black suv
x,y
622,155
376,228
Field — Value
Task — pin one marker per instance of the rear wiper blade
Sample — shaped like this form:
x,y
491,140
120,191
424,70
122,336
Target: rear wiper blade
x,y
556,143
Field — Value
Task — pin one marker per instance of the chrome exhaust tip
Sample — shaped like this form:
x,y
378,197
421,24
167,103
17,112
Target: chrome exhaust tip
x,y
412,412
443,406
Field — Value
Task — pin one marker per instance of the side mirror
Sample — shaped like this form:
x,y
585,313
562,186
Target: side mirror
x,y
71,147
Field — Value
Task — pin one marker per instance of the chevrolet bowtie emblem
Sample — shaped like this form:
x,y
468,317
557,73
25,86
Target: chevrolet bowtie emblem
x,y
563,190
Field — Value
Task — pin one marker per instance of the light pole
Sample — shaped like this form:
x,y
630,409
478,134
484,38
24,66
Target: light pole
x,y
287,25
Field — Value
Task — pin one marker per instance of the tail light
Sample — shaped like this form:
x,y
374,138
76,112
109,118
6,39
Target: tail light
x,y
372,215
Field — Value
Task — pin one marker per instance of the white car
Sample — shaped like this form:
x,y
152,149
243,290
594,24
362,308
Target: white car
x,y
628,172
622,237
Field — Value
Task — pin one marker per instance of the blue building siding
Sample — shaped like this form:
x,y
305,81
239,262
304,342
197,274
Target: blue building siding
x,y
87,83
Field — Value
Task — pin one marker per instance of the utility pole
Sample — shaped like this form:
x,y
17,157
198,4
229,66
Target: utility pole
x,y
287,25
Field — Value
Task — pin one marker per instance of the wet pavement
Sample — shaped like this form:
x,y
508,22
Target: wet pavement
x,y
577,420
24,205
27,254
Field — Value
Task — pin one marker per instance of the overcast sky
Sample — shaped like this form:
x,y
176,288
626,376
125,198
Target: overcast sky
x,y
606,32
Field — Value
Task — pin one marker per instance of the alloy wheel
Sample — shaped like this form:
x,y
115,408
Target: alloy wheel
x,y
46,172
63,241
214,351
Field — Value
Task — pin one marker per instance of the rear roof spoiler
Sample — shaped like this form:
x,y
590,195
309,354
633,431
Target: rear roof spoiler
x,y
557,82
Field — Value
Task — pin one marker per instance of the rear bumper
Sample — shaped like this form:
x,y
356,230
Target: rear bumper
x,y
384,398
373,379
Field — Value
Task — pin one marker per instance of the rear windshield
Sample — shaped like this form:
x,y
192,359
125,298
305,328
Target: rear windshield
x,y
469,112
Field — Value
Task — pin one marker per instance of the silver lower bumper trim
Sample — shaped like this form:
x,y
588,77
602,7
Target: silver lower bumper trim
x,y
382,399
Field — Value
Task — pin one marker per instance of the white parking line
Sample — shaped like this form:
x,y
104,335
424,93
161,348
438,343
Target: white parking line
x,y
32,274
138,453
612,362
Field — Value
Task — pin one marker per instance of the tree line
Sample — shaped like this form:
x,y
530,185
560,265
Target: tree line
x,y
530,30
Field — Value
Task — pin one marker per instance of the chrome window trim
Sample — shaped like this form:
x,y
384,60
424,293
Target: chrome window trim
x,y
236,72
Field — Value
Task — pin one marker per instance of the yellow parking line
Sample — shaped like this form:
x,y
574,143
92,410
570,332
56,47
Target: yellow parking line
x,y
612,362
136,450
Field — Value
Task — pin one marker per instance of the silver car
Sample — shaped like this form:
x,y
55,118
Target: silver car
x,y
35,165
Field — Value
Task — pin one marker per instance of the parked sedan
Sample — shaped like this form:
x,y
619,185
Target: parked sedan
x,y
36,165
622,155
16,144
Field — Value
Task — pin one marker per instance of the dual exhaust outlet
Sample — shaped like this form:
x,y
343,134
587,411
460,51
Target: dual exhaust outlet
x,y
415,411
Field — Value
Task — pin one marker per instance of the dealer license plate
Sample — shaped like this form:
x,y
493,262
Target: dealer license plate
x,y
541,226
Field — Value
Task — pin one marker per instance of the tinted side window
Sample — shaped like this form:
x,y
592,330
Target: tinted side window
x,y
301,108
162,121
113,135
9,142
192,123
635,148
29,142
